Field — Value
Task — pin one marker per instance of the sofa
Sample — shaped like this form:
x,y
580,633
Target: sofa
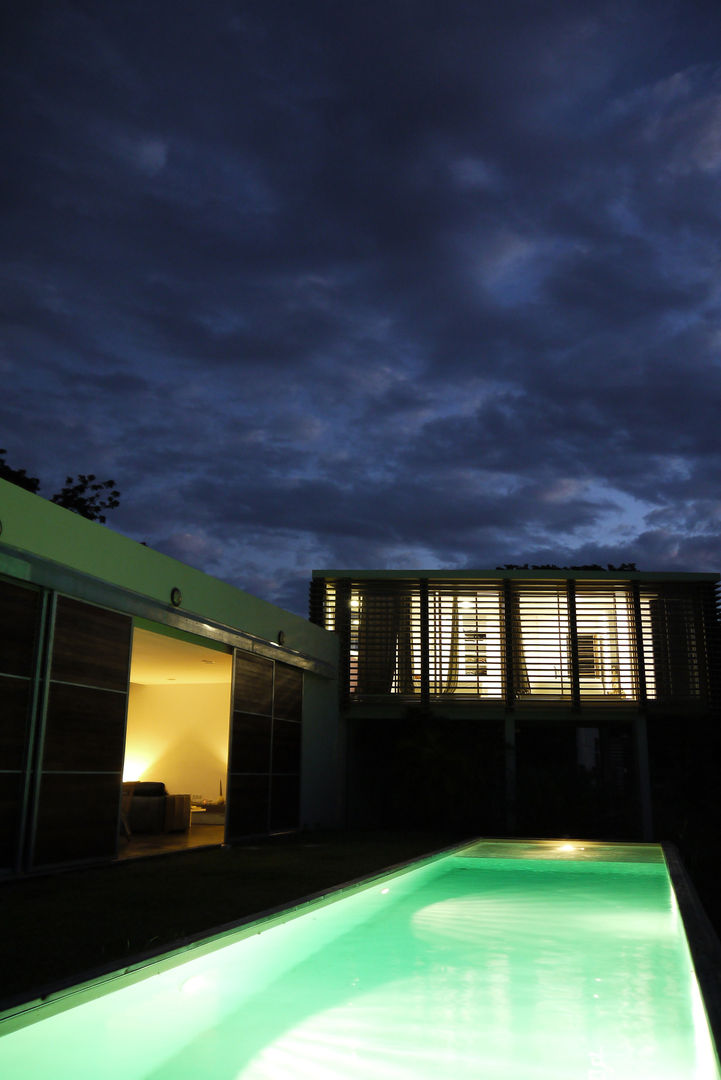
x,y
152,810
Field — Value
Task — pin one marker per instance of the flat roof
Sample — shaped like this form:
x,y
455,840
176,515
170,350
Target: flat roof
x,y
499,573
47,545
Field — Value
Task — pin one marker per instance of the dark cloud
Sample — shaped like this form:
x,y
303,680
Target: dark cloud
x,y
388,284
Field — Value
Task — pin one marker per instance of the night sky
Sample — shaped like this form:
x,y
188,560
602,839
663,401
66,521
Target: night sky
x,y
359,284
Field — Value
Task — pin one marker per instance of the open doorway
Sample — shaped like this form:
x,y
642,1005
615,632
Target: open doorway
x,y
176,747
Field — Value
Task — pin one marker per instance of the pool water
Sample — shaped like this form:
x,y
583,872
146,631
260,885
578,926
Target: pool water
x,y
485,964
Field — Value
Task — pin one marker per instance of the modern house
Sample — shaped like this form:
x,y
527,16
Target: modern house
x,y
117,662
536,702
138,694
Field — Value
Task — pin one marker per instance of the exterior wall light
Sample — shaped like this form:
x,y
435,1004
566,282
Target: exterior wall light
x,y
281,637
176,597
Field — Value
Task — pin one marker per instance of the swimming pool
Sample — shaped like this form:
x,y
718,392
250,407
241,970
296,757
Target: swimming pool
x,y
499,960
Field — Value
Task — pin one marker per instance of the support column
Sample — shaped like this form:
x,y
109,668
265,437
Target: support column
x,y
644,782
510,753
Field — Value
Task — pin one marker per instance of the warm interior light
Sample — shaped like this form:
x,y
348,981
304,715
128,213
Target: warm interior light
x,y
133,768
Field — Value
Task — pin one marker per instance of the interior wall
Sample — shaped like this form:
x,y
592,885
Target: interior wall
x,y
179,735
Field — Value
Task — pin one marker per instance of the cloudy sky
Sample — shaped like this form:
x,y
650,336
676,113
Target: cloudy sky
x,y
369,284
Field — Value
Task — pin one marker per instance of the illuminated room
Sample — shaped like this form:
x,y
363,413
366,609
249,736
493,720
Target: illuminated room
x,y
177,731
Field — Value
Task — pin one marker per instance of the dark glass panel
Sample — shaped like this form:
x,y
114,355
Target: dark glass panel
x,y
253,684
285,802
19,610
91,646
77,817
286,746
250,743
84,729
288,699
14,702
247,805
10,800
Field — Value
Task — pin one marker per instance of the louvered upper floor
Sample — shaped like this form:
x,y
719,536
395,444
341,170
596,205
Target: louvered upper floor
x,y
585,640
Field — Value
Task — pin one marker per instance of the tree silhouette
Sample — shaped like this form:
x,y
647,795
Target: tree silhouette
x,y
86,496
17,476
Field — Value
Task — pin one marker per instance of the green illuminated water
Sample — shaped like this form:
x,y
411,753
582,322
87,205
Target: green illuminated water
x,y
503,968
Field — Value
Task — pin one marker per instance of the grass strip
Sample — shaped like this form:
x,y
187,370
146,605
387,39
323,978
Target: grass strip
x,y
58,927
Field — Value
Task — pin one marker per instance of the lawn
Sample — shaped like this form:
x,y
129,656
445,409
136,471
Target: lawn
x,y
57,928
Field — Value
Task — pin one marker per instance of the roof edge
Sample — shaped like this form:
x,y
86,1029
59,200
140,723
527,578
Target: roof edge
x,y
559,574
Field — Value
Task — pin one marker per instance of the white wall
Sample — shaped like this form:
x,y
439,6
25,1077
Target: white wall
x,y
179,734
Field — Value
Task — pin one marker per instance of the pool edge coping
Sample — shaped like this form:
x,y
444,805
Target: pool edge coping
x,y
703,941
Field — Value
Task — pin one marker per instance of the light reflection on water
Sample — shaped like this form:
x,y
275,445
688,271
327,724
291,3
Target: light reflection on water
x,y
584,977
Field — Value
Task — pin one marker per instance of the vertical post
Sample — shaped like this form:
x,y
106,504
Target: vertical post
x,y
40,694
640,732
510,717
573,645
425,646
644,782
269,804
509,673
510,753
36,713
638,641
229,768
342,629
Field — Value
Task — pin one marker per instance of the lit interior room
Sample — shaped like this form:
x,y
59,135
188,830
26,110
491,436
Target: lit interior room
x,y
176,751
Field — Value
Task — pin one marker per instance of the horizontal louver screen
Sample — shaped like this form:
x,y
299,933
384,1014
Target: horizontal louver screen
x,y
541,645
672,621
385,640
465,628
607,669
573,641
